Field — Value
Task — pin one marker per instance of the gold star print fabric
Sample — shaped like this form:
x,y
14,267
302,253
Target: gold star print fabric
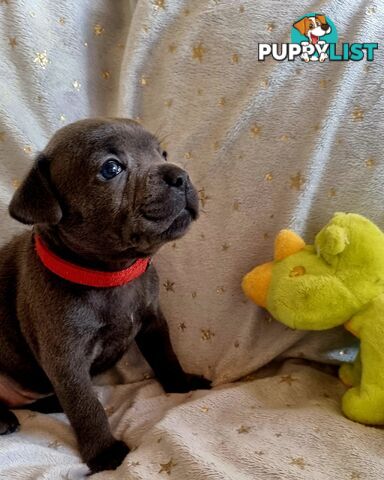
x,y
269,145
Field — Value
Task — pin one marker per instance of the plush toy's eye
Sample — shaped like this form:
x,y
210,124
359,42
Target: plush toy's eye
x,y
110,169
165,155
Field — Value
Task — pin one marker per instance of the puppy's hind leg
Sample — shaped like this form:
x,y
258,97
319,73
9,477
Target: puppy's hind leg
x,y
49,404
8,420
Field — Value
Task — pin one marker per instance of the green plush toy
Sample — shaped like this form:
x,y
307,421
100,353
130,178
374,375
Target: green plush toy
x,y
338,280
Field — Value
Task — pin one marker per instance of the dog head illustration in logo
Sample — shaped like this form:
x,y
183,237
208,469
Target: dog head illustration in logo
x,y
313,27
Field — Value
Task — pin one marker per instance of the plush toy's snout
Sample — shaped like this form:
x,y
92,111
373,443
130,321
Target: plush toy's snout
x,y
256,283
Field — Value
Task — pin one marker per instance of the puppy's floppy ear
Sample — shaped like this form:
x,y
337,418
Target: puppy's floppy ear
x,y
302,25
35,201
321,19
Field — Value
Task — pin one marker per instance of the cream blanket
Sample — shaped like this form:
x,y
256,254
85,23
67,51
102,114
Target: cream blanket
x,y
269,145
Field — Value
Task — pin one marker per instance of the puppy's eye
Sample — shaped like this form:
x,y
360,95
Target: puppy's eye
x,y
311,25
110,169
165,155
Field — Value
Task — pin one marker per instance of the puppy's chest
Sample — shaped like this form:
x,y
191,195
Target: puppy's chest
x,y
118,320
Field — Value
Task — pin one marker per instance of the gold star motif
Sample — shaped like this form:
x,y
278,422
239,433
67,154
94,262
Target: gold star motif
x,y
15,183
332,192
167,467
145,28
2,136
194,294
224,247
41,59
12,41
357,114
55,444
284,137
243,429
235,58
204,409
182,326
270,27
297,181
255,130
299,462
186,12
241,9
264,83
168,103
109,409
236,344
62,20
188,155
62,118
198,52
144,81
159,4
216,145
206,334
30,415
76,85
236,205
268,177
220,290
370,11
222,102
98,30
266,235
370,163
203,197
172,48
288,379
168,285
323,82
105,74
355,476
27,149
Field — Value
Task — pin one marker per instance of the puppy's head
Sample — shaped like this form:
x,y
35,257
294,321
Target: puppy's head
x,y
313,27
104,186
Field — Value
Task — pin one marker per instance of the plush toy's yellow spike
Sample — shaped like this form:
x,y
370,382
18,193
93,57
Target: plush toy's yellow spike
x,y
256,283
287,243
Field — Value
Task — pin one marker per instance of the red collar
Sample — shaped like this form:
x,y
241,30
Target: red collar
x,y
85,276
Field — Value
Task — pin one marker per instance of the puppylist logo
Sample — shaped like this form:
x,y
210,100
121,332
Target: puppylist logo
x,y
314,39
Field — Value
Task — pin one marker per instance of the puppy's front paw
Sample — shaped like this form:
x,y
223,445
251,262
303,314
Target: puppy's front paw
x,y
187,383
8,422
109,458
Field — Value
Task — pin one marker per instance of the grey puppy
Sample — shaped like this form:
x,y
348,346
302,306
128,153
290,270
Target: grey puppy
x,y
100,196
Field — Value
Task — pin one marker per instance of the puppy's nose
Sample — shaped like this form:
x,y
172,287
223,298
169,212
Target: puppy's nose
x,y
174,176
324,26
